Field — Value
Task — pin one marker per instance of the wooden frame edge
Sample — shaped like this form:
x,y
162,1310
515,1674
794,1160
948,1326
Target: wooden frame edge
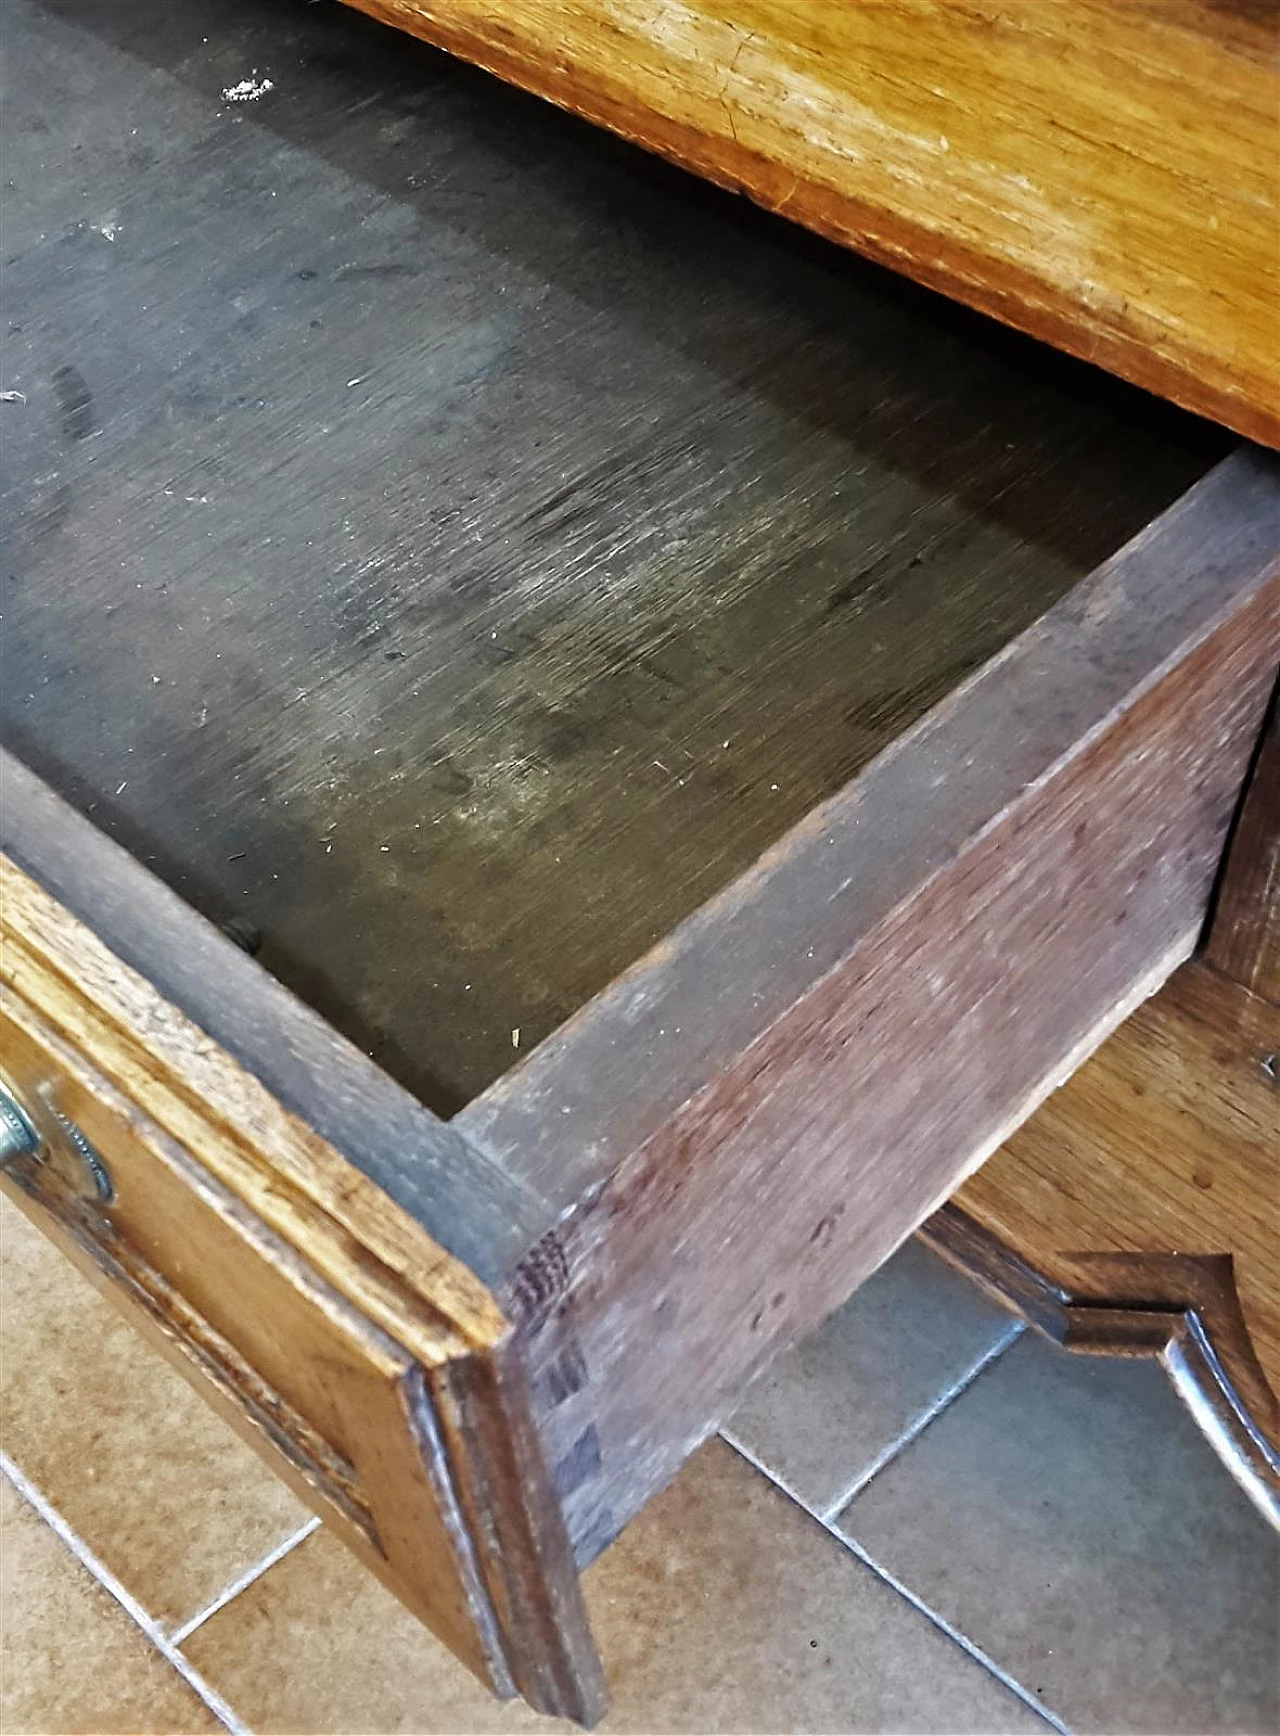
x,y
1182,1309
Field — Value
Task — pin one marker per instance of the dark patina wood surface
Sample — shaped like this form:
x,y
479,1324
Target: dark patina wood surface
x,y
745,1125
1244,937
451,545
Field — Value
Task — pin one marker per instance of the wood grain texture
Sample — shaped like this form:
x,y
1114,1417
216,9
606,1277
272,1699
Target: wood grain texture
x,y
489,540
1142,1199
1105,175
1244,939
748,1122
288,1283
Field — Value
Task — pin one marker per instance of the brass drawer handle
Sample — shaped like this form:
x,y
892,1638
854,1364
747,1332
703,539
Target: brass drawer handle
x,y
21,1136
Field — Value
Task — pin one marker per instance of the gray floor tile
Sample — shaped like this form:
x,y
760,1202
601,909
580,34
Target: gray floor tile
x,y
1066,1514
722,1609
822,1416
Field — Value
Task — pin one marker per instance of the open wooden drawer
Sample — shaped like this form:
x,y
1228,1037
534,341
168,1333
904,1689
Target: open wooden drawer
x,y
701,737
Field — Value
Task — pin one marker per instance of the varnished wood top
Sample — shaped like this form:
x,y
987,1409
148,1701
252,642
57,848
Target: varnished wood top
x,y
1103,173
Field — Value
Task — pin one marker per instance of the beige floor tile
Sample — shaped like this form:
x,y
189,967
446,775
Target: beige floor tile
x,y
722,1608
1067,1515
825,1413
160,1489
70,1658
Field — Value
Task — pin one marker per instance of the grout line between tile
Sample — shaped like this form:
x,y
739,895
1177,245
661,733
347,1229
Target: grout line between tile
x,y
904,1591
916,1428
975,1651
244,1580
99,1571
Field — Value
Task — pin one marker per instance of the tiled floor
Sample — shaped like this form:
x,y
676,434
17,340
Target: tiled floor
x,y
921,1520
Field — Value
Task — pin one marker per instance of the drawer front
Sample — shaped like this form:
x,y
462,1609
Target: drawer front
x,y
364,1361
